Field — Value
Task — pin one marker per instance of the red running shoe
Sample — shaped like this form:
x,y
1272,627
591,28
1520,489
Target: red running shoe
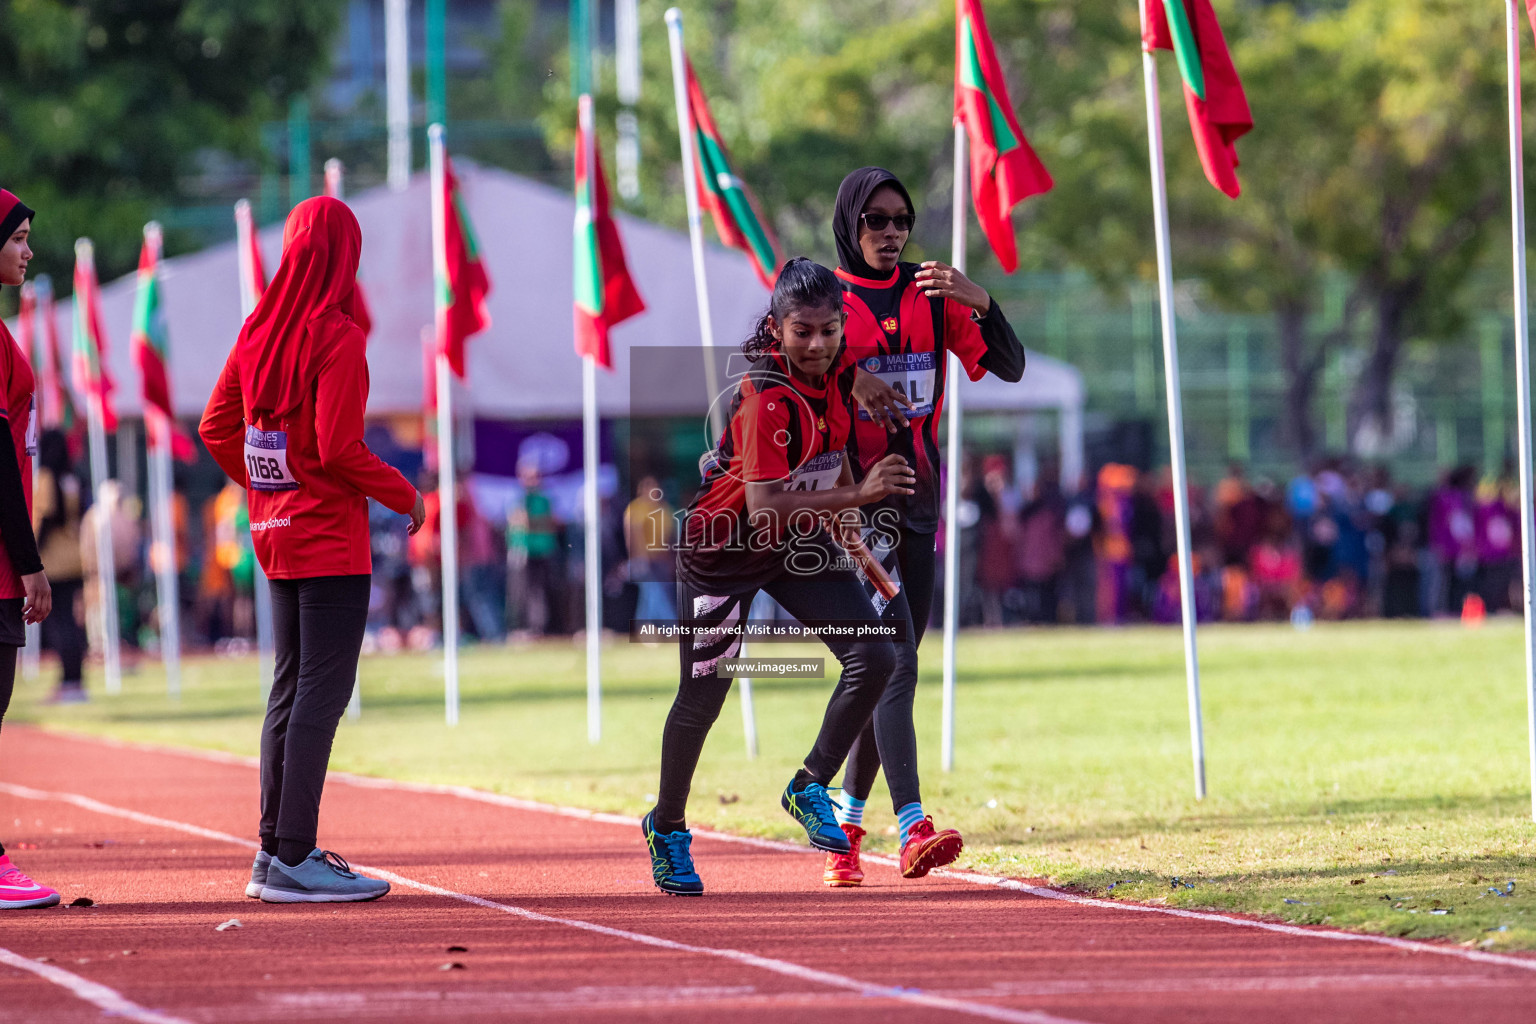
x,y
843,869
17,891
926,849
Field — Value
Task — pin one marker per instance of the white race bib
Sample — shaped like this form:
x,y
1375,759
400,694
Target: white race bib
x,y
817,474
266,460
911,373
32,428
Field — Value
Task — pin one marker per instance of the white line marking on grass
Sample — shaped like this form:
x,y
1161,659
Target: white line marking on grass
x,y
109,1000
783,967
974,878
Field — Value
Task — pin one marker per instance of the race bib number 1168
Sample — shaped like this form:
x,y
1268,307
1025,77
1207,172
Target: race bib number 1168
x,y
266,460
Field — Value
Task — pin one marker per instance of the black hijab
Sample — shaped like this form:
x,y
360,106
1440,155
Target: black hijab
x,y
852,194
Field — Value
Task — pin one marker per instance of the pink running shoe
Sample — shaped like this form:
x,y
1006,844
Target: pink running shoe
x,y
17,891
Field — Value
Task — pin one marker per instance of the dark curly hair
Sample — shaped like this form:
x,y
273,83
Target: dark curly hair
x,y
802,284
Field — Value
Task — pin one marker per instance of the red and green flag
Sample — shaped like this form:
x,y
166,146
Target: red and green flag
x,y
1004,169
90,337
253,276
56,407
738,219
605,294
462,284
1213,94
152,353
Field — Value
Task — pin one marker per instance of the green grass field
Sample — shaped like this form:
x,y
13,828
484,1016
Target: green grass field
x,y
1367,776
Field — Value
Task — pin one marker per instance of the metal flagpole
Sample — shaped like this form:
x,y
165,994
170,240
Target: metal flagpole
x,y
695,218
266,647
446,490
954,373
593,555
32,653
157,432
701,291
1523,377
1175,411
106,565
626,18
397,90
336,188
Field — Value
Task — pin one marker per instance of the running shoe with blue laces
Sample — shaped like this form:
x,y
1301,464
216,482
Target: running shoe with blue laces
x,y
671,863
816,811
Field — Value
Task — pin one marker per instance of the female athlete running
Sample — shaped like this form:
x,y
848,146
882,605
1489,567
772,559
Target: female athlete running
x,y
902,320
757,524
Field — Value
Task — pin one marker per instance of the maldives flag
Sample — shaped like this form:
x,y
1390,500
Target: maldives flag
x,y
26,327
1004,169
90,337
152,352
253,276
57,409
462,284
732,205
605,295
1213,94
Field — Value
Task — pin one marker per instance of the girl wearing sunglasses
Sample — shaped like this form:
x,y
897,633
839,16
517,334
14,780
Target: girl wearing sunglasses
x,y
902,320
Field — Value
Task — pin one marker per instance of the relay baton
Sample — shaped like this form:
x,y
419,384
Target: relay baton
x,y
870,566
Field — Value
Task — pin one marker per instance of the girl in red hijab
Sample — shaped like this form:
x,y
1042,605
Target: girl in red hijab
x,y
286,422
25,596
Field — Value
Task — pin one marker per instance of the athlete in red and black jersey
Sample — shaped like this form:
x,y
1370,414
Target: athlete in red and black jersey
x,y
778,475
903,320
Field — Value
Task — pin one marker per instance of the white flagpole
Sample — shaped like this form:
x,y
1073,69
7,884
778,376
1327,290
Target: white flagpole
x,y
1523,377
1175,411
397,91
446,490
954,374
157,432
695,217
32,653
626,19
701,291
106,565
336,188
266,646
592,561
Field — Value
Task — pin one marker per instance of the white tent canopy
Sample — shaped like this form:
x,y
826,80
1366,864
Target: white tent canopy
x,y
522,367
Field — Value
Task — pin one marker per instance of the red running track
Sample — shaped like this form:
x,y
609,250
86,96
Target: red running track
x,y
558,921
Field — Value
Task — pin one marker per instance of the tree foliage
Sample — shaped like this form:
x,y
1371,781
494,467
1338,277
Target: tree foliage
x,y
106,105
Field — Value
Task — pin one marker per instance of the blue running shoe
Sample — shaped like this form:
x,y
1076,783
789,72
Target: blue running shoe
x,y
815,810
671,863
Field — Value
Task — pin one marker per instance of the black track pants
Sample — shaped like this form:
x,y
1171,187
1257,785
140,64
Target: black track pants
x,y
834,596
890,736
317,627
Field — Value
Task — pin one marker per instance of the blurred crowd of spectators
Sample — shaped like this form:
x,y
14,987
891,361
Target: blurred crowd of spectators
x,y
1343,541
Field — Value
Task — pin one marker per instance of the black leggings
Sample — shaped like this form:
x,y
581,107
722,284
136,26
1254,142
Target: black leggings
x,y
317,627
890,736
834,596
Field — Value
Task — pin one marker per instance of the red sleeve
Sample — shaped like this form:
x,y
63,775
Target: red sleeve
x,y
341,394
222,428
761,428
962,336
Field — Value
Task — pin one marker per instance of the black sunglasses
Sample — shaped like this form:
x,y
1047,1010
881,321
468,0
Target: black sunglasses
x,y
878,221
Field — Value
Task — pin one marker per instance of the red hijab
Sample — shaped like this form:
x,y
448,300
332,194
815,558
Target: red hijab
x,y
305,311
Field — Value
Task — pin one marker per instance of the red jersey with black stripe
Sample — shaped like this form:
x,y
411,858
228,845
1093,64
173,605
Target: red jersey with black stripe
x,y
781,429
898,333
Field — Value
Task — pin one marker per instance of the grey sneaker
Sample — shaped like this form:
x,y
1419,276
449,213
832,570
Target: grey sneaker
x,y
323,877
258,874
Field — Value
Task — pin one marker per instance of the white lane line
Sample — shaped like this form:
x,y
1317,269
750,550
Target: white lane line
x,y
972,877
783,967
109,1000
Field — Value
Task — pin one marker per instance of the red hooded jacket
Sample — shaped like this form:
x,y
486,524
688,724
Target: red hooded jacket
x,y
285,420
